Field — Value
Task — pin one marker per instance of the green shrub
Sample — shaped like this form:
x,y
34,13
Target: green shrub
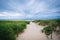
x,y
14,27
6,33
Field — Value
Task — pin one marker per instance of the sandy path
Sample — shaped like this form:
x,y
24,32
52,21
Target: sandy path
x,y
33,32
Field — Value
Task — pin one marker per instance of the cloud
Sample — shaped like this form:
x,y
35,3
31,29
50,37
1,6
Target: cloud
x,y
31,9
8,14
11,15
32,6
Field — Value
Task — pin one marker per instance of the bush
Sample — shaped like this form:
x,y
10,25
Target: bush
x,y
6,33
9,29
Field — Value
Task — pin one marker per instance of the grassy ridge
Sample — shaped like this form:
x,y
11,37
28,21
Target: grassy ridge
x,y
47,22
9,29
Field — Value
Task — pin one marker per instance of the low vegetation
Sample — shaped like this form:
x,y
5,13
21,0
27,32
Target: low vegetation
x,y
10,29
50,26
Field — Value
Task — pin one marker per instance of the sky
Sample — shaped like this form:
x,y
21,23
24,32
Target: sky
x,y
29,9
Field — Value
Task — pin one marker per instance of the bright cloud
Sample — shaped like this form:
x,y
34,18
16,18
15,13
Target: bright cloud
x,y
11,14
